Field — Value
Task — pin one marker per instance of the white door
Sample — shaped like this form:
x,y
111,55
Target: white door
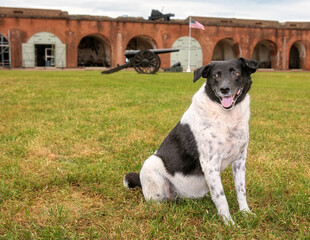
x,y
28,55
182,55
60,55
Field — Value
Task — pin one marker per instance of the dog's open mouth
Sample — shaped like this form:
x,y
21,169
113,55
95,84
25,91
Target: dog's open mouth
x,y
229,101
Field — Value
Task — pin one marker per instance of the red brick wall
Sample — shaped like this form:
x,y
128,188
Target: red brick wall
x,y
118,32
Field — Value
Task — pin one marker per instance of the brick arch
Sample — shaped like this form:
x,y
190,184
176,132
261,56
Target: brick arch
x,y
226,49
119,31
46,37
297,55
44,49
94,50
141,42
195,54
4,51
266,52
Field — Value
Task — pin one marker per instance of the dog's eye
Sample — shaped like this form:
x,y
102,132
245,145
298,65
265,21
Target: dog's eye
x,y
236,74
216,75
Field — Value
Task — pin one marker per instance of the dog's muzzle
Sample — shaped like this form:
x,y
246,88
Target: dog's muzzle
x,y
228,102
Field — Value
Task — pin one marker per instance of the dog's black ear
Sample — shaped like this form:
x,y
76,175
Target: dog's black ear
x,y
201,72
251,65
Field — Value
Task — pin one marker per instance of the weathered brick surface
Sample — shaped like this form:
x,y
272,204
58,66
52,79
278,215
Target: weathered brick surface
x,y
117,32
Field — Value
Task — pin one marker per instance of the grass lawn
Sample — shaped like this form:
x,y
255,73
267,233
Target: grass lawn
x,y
67,138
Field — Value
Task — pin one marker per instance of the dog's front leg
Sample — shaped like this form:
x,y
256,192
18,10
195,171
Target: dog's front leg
x,y
238,167
212,174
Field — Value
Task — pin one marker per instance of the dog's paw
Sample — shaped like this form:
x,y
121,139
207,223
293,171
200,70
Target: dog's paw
x,y
229,221
248,213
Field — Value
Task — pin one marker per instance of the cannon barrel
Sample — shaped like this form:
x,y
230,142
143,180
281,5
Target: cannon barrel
x,y
132,53
143,61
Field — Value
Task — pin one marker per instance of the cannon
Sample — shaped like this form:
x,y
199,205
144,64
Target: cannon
x,y
155,15
143,61
177,67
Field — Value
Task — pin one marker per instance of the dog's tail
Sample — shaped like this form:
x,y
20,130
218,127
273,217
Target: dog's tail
x,y
132,180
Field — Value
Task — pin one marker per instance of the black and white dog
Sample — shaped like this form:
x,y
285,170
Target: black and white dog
x,y
212,133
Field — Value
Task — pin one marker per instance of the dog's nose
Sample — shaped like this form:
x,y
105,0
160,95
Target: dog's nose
x,y
224,90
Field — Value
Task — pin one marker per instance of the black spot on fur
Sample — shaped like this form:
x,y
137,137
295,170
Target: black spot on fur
x,y
237,167
210,149
232,134
179,152
230,150
206,125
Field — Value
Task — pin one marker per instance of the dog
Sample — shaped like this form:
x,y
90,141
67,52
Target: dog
x,y
212,133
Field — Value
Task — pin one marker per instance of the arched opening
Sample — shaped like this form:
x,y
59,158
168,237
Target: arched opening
x,y
266,53
5,60
226,49
4,52
44,49
94,51
297,56
182,56
141,43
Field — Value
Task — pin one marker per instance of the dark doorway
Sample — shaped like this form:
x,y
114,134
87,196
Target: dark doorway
x,y
4,52
294,58
44,55
266,53
94,51
226,49
140,43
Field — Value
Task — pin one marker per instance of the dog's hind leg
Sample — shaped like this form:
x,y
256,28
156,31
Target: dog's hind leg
x,y
155,186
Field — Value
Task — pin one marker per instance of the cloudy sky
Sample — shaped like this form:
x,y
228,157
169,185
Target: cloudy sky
x,y
280,10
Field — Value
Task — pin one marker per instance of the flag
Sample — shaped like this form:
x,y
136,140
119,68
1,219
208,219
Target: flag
x,y
195,24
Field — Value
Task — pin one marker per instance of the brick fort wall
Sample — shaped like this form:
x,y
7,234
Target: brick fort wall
x,y
103,40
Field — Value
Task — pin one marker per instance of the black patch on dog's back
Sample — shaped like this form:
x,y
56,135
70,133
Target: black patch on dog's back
x,y
179,152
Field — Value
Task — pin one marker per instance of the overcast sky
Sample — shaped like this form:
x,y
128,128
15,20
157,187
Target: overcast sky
x,y
279,10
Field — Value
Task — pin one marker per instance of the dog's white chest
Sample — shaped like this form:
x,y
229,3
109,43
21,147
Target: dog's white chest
x,y
221,135
222,142
230,143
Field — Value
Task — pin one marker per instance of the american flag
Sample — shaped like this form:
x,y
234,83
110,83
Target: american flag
x,y
195,24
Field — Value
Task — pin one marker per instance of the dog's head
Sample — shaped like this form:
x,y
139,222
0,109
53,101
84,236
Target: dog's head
x,y
227,81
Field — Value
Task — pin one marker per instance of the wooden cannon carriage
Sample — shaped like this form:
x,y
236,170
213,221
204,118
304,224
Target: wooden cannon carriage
x,y
143,61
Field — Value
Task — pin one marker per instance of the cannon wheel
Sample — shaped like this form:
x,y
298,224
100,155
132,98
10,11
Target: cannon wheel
x,y
146,62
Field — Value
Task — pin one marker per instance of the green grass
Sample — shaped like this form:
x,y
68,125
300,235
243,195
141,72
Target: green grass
x,y
68,137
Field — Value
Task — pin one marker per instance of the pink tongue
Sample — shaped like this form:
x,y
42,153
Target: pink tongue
x,y
227,101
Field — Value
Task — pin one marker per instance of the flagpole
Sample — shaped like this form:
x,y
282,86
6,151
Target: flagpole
x,y
189,46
